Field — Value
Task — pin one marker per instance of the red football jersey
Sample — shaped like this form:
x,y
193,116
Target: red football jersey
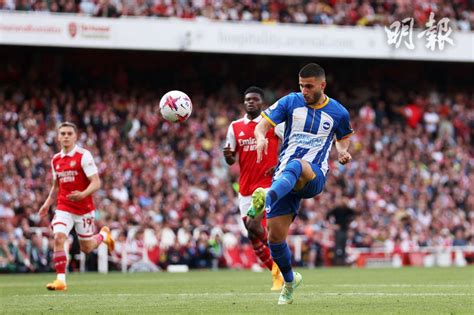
x,y
72,170
241,139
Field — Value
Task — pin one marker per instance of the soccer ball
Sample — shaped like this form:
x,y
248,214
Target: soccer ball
x,y
175,106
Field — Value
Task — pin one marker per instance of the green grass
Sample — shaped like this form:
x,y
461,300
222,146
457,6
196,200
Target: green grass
x,y
324,291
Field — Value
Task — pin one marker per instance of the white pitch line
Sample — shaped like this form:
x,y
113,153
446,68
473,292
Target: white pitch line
x,y
315,294
393,294
341,285
402,285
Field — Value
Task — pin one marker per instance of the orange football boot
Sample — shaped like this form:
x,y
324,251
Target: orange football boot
x,y
57,285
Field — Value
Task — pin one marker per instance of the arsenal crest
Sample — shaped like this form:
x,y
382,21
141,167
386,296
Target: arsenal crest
x,y
72,164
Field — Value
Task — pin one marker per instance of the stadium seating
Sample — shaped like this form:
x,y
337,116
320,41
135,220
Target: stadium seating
x,y
328,12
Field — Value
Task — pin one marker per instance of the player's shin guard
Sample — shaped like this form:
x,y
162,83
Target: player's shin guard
x,y
282,256
285,183
262,252
60,261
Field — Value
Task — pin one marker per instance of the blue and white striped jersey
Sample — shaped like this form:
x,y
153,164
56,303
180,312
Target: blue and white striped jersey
x,y
309,130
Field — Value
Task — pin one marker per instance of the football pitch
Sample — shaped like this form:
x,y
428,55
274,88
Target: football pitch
x,y
323,291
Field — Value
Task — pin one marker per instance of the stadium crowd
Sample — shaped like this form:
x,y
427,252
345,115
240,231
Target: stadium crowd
x,y
327,12
169,197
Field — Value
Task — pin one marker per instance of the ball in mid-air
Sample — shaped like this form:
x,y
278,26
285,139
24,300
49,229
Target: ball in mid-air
x,y
175,106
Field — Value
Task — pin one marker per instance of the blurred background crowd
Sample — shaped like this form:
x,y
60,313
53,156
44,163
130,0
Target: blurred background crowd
x,y
167,193
327,12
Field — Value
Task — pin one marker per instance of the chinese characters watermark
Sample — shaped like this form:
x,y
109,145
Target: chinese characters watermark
x,y
400,30
436,34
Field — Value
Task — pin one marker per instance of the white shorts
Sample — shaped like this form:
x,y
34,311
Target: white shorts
x,y
84,225
244,204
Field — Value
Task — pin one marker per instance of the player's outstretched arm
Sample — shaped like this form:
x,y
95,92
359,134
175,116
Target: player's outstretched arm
x,y
260,136
50,200
343,155
94,186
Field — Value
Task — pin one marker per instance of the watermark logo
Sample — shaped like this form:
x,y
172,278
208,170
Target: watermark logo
x,y
435,34
399,31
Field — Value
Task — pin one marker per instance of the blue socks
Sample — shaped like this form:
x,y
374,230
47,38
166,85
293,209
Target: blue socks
x,y
282,257
285,184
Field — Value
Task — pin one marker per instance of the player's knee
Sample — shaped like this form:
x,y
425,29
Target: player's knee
x,y
59,240
275,235
295,166
86,247
86,250
307,171
307,174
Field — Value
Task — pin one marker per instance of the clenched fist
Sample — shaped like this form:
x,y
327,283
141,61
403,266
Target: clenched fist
x,y
344,157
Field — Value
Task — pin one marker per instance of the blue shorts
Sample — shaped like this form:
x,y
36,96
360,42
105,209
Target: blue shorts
x,y
290,203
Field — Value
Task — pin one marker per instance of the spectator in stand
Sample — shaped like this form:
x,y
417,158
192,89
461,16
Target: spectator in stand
x,y
7,5
176,255
7,260
360,13
340,216
106,9
459,239
40,255
22,252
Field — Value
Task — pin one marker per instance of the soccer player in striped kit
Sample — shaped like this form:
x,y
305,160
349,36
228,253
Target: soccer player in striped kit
x,y
75,179
313,121
241,142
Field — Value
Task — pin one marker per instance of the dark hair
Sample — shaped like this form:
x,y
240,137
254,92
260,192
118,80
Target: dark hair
x,y
255,89
312,70
68,124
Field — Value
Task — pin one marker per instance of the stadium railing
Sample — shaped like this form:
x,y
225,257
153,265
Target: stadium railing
x,y
441,256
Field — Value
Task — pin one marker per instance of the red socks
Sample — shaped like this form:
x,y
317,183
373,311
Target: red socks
x,y
260,245
263,252
60,261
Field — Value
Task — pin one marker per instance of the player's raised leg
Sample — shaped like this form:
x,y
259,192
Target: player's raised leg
x,y
296,174
89,241
88,244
